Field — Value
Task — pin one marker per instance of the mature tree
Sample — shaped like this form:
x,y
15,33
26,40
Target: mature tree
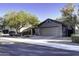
x,y
20,19
67,15
67,10
1,22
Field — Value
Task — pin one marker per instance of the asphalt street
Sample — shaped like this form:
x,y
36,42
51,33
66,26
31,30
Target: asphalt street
x,y
24,49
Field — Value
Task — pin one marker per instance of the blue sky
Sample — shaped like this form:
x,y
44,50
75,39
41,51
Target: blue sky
x,y
41,10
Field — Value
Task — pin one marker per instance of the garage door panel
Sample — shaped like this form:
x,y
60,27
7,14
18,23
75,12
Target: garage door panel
x,y
46,31
50,31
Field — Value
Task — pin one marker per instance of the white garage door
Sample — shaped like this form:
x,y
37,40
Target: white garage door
x,y
55,31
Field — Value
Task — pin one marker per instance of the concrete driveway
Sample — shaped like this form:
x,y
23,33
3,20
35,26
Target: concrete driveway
x,y
37,47
29,47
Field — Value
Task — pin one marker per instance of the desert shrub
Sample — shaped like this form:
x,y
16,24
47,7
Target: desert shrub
x,y
75,38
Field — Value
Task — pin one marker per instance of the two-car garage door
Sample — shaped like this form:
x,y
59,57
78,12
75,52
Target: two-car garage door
x,y
55,31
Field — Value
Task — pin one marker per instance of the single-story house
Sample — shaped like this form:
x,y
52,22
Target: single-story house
x,y
50,27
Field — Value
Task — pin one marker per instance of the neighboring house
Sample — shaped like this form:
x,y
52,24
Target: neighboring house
x,y
50,28
77,29
24,28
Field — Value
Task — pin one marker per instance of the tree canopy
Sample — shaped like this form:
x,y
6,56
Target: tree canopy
x,y
20,19
67,15
68,9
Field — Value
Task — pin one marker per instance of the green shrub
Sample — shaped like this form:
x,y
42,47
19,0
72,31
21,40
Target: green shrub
x,y
75,38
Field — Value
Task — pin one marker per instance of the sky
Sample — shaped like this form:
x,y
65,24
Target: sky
x,y
41,10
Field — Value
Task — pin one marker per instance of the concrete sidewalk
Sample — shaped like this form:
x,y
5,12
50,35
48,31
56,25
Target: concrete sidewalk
x,y
45,43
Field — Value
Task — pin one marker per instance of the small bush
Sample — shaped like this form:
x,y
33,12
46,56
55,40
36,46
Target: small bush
x,y
75,38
